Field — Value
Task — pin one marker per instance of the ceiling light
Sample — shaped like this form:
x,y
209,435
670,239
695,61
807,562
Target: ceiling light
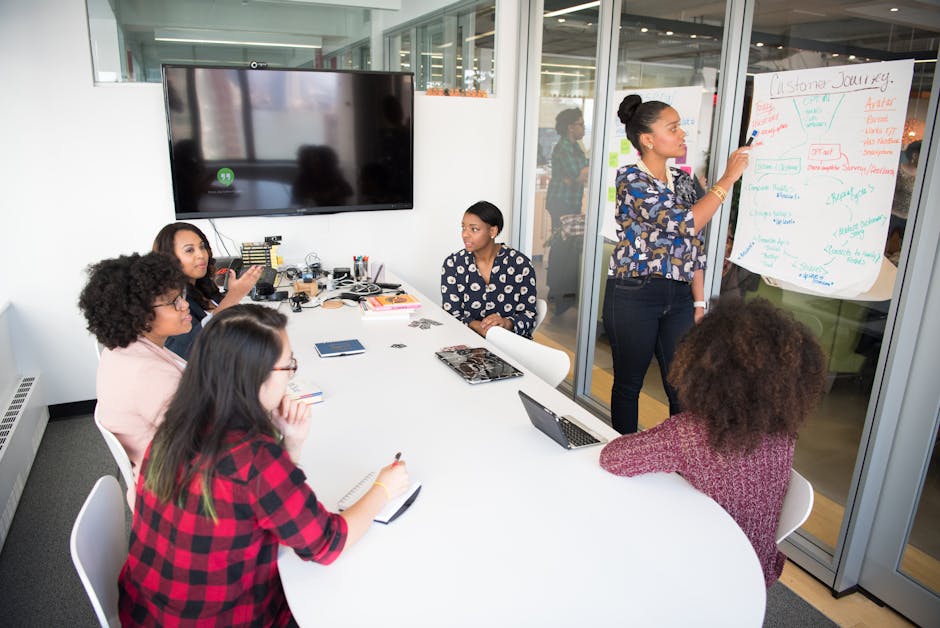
x,y
851,56
835,54
236,38
579,7
693,36
759,44
644,30
669,32
481,35
779,47
228,42
894,9
561,20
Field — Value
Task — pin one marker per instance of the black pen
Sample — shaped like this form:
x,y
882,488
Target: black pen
x,y
751,139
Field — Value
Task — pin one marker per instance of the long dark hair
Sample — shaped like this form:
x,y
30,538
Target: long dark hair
x,y
638,117
206,290
748,369
217,395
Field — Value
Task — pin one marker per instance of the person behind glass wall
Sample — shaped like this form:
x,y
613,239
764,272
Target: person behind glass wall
x,y
487,284
655,272
189,246
133,304
749,375
563,203
221,488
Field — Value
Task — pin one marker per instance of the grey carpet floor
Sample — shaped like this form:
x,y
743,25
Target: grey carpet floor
x,y
39,586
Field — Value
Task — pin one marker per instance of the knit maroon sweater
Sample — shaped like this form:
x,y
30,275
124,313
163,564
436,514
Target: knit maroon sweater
x,y
750,486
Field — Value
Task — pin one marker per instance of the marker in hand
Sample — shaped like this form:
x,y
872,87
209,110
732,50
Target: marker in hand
x,y
750,140
397,458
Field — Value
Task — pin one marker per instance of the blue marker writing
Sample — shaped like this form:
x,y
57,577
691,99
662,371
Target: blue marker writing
x,y
751,139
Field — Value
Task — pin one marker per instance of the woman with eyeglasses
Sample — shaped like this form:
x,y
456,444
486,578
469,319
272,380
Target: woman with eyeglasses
x,y
188,244
487,284
132,304
221,489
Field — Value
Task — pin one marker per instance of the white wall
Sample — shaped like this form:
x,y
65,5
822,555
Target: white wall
x,y
84,174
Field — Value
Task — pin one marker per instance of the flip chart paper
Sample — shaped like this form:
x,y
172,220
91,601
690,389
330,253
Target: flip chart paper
x,y
816,198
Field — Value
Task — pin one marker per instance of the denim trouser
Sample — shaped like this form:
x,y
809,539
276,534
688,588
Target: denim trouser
x,y
643,316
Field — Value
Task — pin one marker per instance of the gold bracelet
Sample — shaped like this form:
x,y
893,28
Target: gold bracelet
x,y
720,193
388,493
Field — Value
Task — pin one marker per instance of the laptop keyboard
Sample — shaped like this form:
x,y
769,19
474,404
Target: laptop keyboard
x,y
576,436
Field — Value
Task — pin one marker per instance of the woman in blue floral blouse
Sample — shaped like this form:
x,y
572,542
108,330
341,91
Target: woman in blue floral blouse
x,y
487,284
655,285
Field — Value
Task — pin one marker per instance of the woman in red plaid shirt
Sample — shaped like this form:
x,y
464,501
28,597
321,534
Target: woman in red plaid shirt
x,y
220,488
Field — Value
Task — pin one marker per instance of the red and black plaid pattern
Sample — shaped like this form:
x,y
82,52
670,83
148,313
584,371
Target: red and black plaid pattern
x,y
183,568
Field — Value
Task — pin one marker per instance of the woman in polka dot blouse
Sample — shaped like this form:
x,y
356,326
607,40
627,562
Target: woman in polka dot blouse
x,y
487,284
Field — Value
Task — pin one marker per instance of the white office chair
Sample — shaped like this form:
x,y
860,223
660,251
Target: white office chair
x,y
797,504
541,309
117,451
99,548
98,347
549,364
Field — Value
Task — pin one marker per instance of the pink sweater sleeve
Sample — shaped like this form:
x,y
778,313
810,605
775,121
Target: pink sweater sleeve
x,y
652,450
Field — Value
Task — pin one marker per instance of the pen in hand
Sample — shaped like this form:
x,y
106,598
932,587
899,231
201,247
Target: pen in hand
x,y
397,458
750,140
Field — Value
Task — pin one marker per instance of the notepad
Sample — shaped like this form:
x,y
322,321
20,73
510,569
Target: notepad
x,y
339,347
392,510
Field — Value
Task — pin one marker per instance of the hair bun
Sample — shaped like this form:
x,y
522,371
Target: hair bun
x,y
628,107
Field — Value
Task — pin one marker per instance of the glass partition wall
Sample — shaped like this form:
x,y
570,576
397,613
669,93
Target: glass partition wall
x,y
678,52
852,331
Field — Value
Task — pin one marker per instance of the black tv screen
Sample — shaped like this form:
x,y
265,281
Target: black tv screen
x,y
261,142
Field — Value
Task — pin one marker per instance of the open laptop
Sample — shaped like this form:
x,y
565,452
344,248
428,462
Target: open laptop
x,y
566,431
477,364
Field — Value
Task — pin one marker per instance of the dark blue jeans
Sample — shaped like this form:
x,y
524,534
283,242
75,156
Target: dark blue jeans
x,y
643,317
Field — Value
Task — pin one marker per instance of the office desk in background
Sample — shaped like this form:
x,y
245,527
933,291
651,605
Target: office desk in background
x,y
509,529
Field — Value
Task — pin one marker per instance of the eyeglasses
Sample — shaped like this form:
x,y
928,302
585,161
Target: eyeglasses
x,y
292,367
176,303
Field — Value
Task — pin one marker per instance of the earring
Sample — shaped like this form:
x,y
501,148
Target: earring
x,y
649,146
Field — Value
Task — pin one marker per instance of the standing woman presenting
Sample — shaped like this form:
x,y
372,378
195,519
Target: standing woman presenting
x,y
655,272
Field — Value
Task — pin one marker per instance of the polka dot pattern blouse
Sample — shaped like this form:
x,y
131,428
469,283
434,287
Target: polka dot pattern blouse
x,y
511,292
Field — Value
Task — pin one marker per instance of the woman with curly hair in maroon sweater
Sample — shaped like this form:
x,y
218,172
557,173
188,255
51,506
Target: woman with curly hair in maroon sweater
x,y
749,375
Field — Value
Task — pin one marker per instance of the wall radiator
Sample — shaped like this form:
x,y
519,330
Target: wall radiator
x,y
22,425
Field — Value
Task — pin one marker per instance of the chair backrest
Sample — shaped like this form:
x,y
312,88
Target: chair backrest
x,y
549,364
797,504
541,309
98,347
99,547
117,450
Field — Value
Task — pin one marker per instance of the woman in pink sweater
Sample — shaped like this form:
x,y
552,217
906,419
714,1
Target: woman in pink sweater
x,y
749,375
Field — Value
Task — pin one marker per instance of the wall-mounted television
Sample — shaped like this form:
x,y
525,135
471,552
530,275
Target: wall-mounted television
x,y
265,142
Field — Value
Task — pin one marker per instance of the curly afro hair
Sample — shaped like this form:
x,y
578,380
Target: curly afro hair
x,y
118,299
748,369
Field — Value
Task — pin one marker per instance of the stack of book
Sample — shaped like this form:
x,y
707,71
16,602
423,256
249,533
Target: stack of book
x,y
389,306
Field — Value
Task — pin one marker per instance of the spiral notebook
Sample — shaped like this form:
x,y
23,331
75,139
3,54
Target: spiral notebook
x,y
392,510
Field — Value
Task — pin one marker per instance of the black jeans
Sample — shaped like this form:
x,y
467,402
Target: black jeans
x,y
643,316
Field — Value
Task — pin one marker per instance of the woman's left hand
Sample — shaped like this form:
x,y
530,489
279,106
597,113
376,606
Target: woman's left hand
x,y
495,320
239,287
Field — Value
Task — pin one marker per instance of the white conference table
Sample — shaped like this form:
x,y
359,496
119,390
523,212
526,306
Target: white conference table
x,y
509,529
